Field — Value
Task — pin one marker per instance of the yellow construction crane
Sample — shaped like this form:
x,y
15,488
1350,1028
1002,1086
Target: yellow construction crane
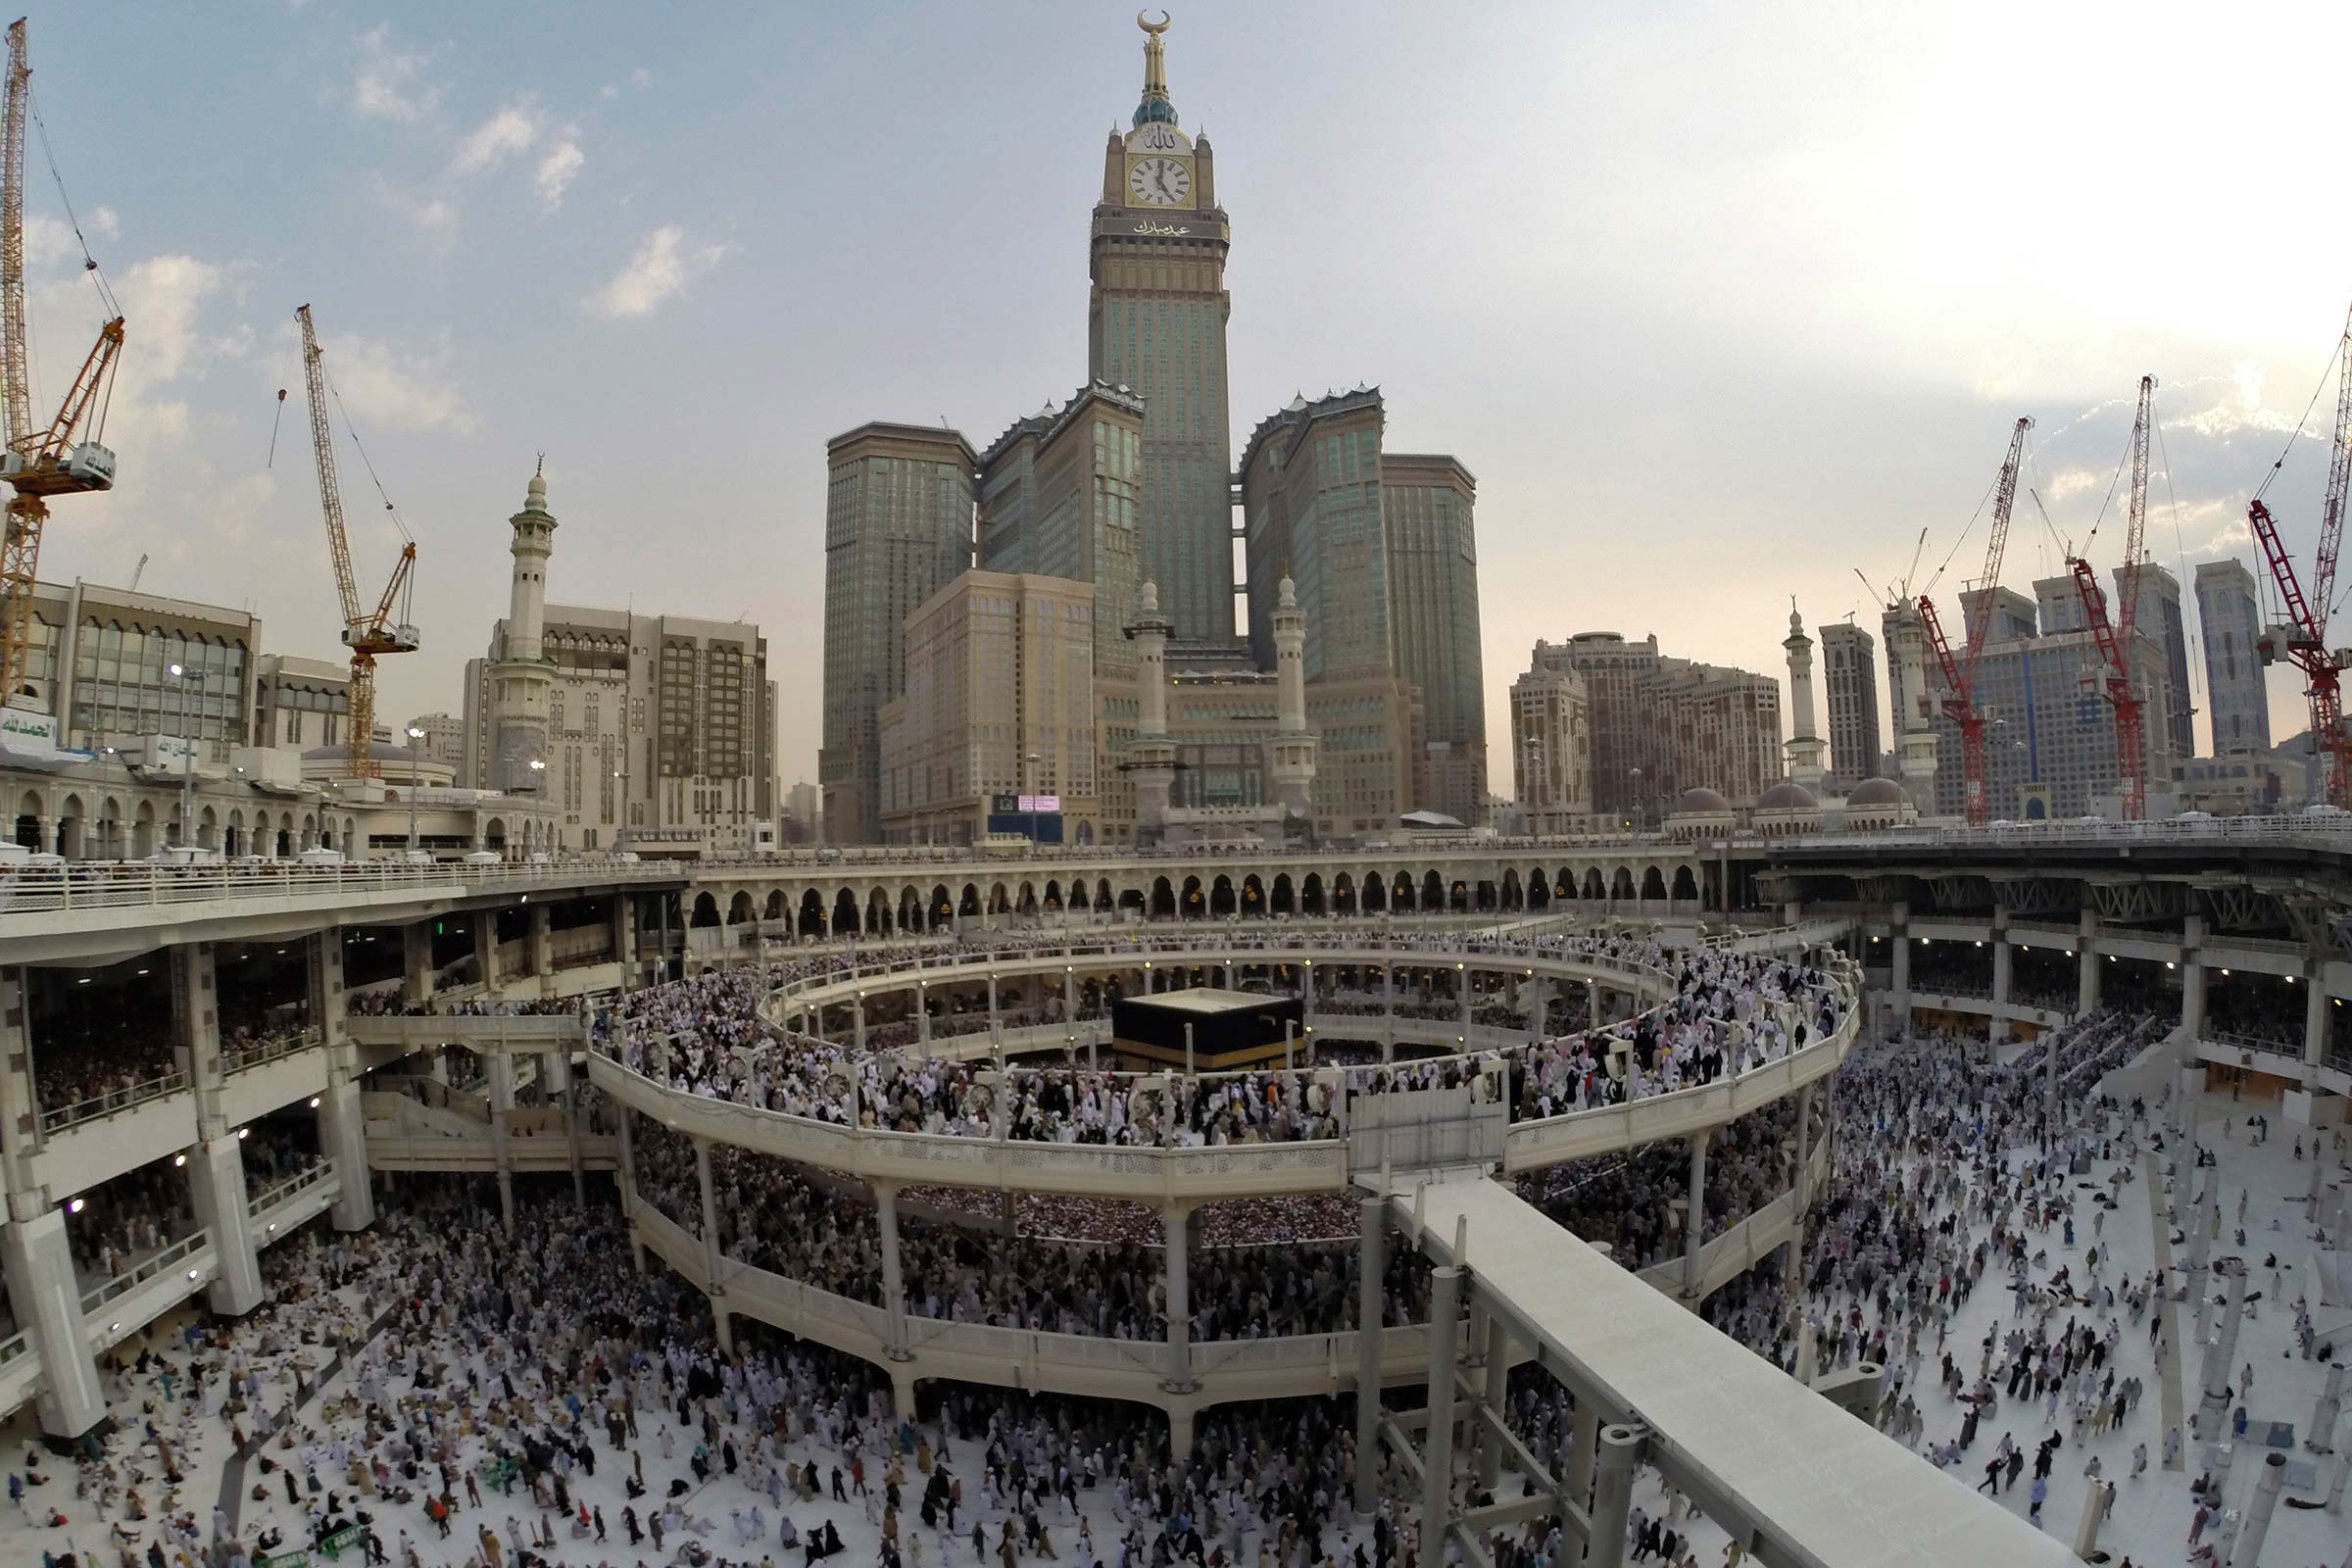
x,y
369,635
41,461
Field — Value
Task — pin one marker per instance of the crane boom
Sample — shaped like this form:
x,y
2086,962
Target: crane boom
x,y
2113,638
365,634
19,395
1961,674
2332,511
330,489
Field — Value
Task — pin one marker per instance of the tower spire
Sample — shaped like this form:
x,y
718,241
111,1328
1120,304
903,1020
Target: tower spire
x,y
1156,104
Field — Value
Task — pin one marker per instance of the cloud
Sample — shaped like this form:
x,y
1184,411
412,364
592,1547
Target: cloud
x,y
236,504
641,79
557,168
661,268
163,296
387,386
434,217
389,84
512,129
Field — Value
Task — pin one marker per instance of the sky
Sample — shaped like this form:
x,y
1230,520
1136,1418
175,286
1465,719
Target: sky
x,y
1720,302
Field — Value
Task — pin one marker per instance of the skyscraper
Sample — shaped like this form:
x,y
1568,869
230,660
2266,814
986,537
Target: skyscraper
x,y
1851,673
1312,491
2161,617
1156,323
1624,761
898,529
2229,614
1426,501
1058,498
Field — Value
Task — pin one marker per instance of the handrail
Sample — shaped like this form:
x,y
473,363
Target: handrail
x,y
124,1284
113,1101
278,1191
262,1052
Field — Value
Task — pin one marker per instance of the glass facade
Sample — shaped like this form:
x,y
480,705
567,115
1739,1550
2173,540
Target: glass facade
x,y
122,683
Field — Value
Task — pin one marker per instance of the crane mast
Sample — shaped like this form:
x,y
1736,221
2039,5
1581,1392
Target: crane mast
x,y
366,633
2113,638
1961,675
2306,628
40,460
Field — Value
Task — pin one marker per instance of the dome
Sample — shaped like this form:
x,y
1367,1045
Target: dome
x,y
1786,796
1876,792
1154,111
1697,801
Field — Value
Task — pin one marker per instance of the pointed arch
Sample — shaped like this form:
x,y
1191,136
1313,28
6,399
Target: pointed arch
x,y
1193,901
1221,902
1254,896
1285,898
706,909
1653,885
1310,894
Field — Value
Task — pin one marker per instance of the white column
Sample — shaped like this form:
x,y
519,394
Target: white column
x,y
2086,966
1491,1394
500,1075
342,1128
1436,1444
485,948
1620,1450
541,940
47,1301
1370,1267
1899,978
417,961
215,1173
217,1185
1172,1223
2315,1016
713,1254
893,1283
1695,1218
2002,962
2192,983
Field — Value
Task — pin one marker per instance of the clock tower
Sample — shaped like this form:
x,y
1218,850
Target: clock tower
x,y
1156,324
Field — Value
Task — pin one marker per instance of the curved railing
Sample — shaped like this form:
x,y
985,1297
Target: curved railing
x,y
1158,1175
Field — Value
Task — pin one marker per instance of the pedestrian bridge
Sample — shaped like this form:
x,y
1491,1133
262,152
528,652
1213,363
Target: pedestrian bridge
x,y
1796,1478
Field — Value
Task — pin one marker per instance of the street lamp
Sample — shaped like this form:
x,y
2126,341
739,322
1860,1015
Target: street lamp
x,y
416,734
188,680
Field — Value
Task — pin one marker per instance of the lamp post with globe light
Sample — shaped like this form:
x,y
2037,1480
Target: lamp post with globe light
x,y
187,680
414,735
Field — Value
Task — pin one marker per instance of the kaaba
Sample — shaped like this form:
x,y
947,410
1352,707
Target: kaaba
x,y
1230,1029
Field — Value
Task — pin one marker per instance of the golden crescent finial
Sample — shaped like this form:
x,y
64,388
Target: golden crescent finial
x,y
1156,28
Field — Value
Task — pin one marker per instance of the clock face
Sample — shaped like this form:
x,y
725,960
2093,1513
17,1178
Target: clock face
x,y
1159,181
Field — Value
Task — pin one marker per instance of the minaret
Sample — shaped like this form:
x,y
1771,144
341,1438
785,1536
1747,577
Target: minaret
x,y
1293,751
1806,746
1915,756
521,680
534,541
1151,755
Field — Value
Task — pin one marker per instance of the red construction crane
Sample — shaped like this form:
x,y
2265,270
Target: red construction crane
x,y
1961,675
2305,633
41,459
2115,641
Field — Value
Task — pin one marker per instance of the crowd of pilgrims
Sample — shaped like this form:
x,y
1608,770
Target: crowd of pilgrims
x,y
488,1372
443,1389
1728,1013
1953,1173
